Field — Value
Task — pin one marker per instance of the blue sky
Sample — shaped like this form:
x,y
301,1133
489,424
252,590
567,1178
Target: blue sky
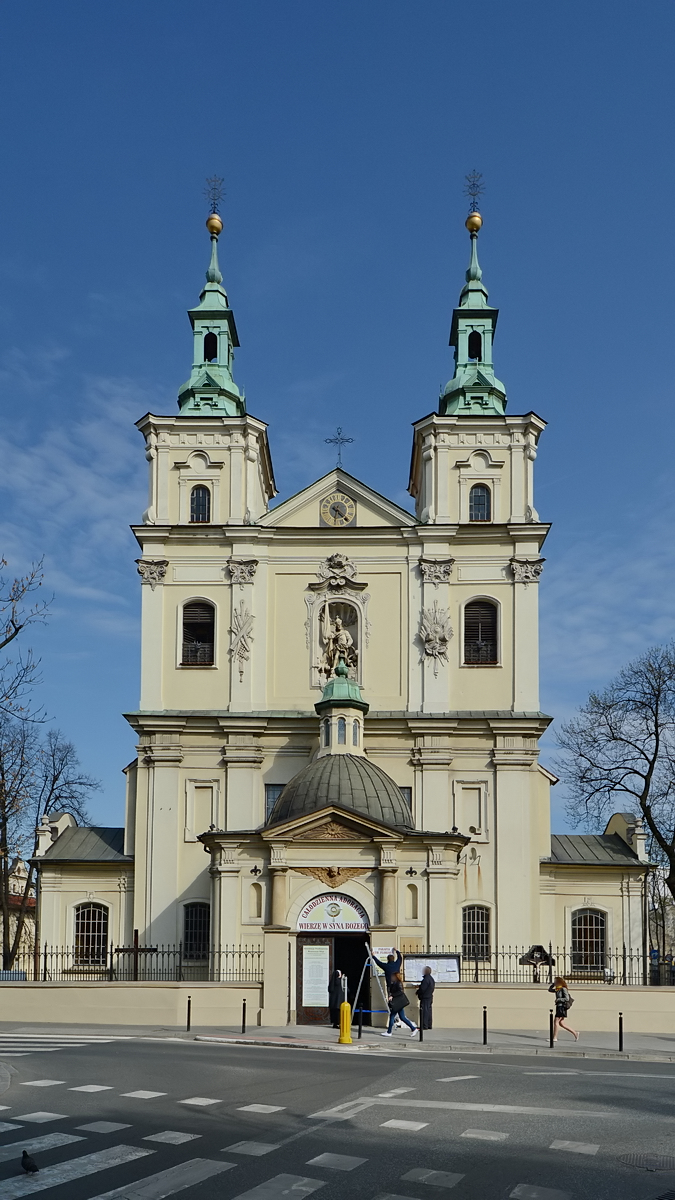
x,y
344,134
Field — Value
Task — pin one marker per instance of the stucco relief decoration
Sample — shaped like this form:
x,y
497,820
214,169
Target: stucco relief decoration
x,y
241,632
332,876
436,570
435,633
332,831
152,571
527,570
336,618
242,570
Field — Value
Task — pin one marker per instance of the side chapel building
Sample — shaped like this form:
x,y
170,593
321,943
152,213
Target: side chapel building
x,y
339,716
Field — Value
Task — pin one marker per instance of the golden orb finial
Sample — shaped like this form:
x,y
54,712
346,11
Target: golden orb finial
x,y
214,224
473,222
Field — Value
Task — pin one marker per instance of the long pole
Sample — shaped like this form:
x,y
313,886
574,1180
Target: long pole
x,y
421,1023
243,1015
621,1032
551,1028
189,1014
485,1027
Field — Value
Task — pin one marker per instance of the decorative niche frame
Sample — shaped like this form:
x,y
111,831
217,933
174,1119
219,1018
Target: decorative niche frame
x,y
337,594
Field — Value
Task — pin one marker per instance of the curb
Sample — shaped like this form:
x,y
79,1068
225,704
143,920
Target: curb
x,y
368,1047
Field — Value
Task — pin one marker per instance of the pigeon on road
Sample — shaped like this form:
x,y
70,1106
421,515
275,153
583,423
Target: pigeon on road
x,y
29,1164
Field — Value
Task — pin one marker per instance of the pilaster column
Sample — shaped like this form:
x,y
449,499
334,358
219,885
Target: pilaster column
x,y
279,895
388,914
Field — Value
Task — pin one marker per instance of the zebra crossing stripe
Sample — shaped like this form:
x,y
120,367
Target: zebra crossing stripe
x,y
167,1183
73,1168
279,1185
49,1141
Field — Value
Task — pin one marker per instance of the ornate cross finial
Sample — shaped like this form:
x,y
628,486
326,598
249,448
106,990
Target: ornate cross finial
x,y
474,188
214,192
339,441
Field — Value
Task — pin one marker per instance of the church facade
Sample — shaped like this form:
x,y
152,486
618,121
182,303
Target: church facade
x,y
339,722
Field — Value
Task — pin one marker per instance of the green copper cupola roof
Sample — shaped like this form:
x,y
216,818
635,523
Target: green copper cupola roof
x,y
341,692
211,390
474,389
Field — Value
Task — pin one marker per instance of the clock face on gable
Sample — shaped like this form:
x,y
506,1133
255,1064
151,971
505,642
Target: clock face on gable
x,y
337,510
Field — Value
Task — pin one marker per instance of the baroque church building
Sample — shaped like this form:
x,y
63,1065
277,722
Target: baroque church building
x,y
339,721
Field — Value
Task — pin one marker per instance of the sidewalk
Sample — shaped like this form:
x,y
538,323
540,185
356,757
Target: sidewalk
x,y
640,1047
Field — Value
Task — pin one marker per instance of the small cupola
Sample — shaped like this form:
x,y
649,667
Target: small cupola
x,y
341,712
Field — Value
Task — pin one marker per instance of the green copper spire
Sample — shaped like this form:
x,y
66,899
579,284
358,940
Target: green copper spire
x,y
474,389
341,692
211,389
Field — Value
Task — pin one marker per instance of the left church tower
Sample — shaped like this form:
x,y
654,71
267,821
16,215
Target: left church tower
x,y
210,480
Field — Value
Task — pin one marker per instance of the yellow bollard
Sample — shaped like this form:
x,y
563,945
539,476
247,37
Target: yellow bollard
x,y
345,1038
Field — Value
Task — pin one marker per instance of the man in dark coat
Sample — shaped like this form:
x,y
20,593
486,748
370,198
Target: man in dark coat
x,y
335,998
425,994
391,967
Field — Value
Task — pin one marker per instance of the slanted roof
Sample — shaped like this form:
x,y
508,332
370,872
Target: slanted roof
x,y
591,849
96,844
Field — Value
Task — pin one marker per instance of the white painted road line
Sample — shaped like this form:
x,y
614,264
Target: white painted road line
x,y
103,1127
171,1138
261,1108
143,1095
74,1168
42,1082
48,1141
456,1078
200,1101
40,1118
445,1179
92,1087
280,1185
485,1135
411,1126
167,1183
345,1112
6,1126
503,1108
336,1162
255,1148
552,1072
575,1147
526,1191
397,1091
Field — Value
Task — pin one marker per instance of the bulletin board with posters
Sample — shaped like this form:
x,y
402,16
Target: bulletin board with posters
x,y
445,968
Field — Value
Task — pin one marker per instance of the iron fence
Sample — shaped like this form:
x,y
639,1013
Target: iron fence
x,y
539,964
151,964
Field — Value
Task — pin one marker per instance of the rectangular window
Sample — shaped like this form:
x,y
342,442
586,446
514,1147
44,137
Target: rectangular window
x,y
272,794
407,796
196,932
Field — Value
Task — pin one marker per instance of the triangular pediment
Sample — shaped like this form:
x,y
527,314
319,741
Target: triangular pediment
x,y
330,824
304,508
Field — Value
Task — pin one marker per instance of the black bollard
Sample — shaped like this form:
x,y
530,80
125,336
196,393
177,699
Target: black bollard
x,y
485,1041
551,1028
421,1026
243,1015
360,1022
189,1014
621,1032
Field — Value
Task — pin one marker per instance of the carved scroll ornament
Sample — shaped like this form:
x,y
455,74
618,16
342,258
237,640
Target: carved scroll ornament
x,y
436,570
152,571
526,570
242,570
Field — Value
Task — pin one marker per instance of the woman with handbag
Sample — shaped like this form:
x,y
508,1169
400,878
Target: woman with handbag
x,y
398,1001
563,1003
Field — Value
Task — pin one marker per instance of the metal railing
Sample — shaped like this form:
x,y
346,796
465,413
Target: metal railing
x,y
151,964
516,964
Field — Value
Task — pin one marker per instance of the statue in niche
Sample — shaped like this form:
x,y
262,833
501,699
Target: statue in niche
x,y
336,640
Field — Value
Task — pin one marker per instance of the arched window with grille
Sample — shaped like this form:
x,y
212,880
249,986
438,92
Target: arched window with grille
x,y
199,620
480,633
91,933
355,733
476,932
200,505
589,929
480,503
342,731
196,931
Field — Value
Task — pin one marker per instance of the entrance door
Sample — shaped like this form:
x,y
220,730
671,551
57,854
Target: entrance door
x,y
317,958
313,971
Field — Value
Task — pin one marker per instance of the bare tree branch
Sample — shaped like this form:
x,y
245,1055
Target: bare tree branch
x,y
620,749
17,611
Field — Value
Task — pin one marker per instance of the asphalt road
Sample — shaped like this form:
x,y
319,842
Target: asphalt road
x,y
142,1119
